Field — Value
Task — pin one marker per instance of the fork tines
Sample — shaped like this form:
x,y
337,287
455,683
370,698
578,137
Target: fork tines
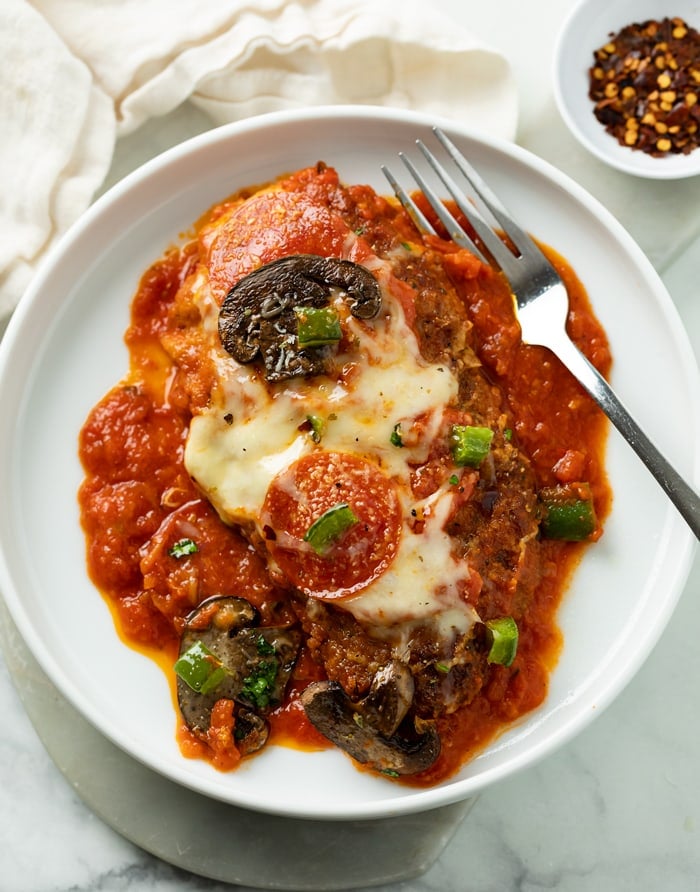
x,y
485,239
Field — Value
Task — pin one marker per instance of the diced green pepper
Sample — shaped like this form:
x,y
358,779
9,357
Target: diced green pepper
x,y
318,427
504,640
569,513
317,326
470,444
329,527
396,439
200,669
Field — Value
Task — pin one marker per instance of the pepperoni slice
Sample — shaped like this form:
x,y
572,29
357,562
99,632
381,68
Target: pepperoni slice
x,y
268,226
356,555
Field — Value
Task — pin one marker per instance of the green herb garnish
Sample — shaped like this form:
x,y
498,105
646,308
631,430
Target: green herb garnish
x,y
258,687
265,649
182,548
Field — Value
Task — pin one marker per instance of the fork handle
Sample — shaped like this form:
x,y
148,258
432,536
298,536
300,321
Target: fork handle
x,y
679,492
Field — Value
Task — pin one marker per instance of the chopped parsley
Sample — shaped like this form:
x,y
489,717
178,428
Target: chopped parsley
x,y
182,548
258,687
265,649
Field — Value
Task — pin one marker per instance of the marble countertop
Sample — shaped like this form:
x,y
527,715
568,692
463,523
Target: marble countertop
x,y
617,808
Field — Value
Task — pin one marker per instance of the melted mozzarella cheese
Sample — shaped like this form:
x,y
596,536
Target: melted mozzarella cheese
x,y
248,435
424,581
251,432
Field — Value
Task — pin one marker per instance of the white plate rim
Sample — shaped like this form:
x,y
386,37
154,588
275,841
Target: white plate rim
x,y
672,529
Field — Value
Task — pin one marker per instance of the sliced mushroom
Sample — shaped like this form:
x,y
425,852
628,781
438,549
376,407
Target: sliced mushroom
x,y
251,731
389,698
257,317
377,731
253,665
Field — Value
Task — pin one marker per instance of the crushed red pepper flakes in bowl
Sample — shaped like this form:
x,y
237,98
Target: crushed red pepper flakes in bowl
x,y
645,85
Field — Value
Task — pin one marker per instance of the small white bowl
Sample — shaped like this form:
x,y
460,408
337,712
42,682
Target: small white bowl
x,y
587,28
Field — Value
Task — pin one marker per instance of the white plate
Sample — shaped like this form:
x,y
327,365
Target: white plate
x,y
586,29
64,349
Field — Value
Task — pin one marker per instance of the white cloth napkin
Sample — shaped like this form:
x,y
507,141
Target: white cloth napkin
x,y
75,75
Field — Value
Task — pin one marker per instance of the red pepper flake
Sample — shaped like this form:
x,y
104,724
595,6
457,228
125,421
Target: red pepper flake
x,y
645,83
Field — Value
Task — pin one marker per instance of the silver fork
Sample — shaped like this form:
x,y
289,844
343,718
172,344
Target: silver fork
x,y
541,300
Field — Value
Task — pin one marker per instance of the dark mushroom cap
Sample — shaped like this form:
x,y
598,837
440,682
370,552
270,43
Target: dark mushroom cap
x,y
376,731
227,626
257,317
252,731
389,698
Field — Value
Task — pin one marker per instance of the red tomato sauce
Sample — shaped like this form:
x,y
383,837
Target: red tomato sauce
x,y
137,496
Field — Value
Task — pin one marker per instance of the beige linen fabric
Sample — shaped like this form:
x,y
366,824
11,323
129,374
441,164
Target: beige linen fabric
x,y
76,75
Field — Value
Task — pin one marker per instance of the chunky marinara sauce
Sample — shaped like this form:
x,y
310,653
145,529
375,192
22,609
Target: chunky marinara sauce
x,y
137,498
